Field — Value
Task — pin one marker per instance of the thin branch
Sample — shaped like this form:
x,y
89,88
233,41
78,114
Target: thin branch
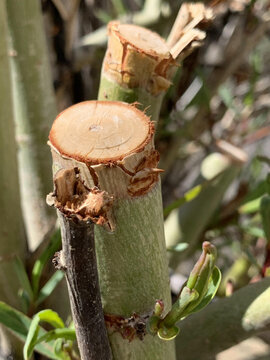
x,y
61,9
75,205
80,268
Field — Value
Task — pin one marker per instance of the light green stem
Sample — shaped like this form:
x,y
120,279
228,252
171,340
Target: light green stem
x,y
12,239
133,271
111,90
225,323
35,109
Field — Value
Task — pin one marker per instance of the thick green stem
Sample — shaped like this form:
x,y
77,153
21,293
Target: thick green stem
x,y
225,323
34,109
12,239
133,271
111,90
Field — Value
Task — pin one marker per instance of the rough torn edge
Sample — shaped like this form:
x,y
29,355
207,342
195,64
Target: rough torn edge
x,y
79,203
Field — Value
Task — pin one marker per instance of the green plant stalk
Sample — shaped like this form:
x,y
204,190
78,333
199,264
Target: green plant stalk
x,y
133,271
187,223
111,90
196,287
34,109
11,222
225,323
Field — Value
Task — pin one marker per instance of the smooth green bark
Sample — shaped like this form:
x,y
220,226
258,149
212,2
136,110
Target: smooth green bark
x,y
12,239
34,109
111,90
133,271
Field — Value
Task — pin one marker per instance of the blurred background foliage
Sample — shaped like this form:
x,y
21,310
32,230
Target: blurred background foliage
x,y
220,92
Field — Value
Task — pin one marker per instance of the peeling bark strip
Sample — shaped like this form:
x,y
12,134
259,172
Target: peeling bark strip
x,y
190,15
78,207
111,145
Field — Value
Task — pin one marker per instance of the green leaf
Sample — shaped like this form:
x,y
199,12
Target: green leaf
x,y
25,303
44,258
49,286
19,325
250,207
253,231
177,312
66,334
58,350
188,196
23,277
168,333
58,347
48,316
31,338
213,286
51,317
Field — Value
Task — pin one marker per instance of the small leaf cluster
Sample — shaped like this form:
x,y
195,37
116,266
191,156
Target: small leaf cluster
x,y
199,290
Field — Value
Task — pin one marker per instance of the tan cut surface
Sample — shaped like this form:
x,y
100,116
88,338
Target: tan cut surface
x,y
143,39
100,131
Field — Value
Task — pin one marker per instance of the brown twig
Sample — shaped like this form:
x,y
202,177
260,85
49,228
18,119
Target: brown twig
x,y
77,207
61,9
82,278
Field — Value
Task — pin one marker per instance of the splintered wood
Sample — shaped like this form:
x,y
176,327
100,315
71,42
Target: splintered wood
x,y
139,58
190,15
76,201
